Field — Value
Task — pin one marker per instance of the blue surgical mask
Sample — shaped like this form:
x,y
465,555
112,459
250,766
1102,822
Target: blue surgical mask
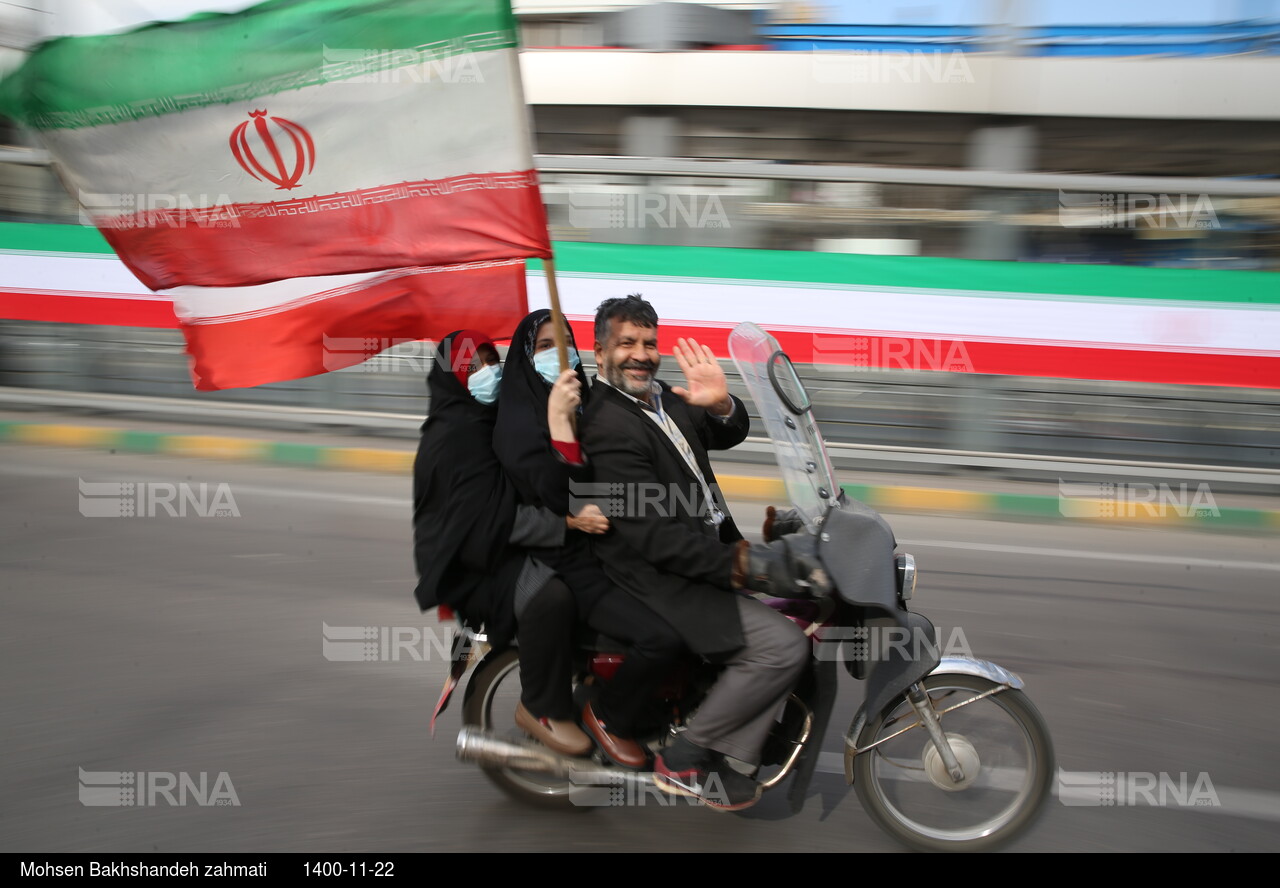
x,y
547,363
483,384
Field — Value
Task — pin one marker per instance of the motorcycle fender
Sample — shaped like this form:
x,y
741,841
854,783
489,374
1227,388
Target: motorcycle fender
x,y
981,668
901,667
488,654
946,666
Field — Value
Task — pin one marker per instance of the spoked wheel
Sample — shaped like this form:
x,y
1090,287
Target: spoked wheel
x,y
491,704
1002,745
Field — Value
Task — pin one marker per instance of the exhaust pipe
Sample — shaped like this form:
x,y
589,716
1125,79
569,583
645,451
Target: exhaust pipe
x,y
483,748
488,751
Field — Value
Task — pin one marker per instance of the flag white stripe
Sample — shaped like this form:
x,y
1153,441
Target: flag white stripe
x,y
1163,326
221,305
1159,326
384,129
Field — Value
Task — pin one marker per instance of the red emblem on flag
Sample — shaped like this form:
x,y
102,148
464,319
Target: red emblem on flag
x,y
299,144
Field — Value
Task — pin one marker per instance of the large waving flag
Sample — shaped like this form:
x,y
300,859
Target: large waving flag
x,y
302,171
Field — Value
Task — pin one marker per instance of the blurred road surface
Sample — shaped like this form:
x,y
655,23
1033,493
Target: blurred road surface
x,y
194,644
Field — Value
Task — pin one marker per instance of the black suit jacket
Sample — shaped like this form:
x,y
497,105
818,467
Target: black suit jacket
x,y
660,548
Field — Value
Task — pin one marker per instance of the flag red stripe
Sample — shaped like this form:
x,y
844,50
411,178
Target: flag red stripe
x,y
72,308
471,218
999,358
318,337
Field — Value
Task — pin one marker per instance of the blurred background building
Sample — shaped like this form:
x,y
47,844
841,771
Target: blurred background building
x,y
1137,133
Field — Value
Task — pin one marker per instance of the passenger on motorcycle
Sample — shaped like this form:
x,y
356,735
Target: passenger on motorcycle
x,y
536,442
469,533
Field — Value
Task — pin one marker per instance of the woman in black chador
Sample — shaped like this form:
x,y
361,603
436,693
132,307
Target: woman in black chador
x,y
536,443
468,535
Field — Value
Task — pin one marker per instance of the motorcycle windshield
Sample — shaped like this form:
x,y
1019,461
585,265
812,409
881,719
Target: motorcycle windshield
x,y
784,406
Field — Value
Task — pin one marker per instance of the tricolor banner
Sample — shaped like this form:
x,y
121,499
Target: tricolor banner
x,y
1158,325
371,159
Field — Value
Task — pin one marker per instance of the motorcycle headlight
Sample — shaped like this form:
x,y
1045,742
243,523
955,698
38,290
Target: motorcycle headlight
x,y
906,575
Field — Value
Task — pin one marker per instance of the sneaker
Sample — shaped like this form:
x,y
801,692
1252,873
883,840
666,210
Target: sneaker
x,y
688,770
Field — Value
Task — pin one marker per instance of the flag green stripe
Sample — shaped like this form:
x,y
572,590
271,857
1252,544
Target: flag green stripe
x,y
36,237
73,82
1244,288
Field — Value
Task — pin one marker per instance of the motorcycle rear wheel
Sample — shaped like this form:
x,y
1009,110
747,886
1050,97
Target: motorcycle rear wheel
x,y
1001,741
490,704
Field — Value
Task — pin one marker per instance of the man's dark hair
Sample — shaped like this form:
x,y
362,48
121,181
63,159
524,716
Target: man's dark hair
x,y
631,308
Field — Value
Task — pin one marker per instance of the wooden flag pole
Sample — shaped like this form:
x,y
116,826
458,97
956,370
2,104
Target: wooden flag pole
x,y
557,318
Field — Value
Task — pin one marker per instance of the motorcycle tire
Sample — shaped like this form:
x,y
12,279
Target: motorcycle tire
x,y
490,702
1003,745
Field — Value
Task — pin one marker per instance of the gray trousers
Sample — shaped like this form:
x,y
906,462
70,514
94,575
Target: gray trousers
x,y
740,709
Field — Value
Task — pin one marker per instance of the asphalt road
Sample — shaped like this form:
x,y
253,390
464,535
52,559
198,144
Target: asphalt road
x,y
188,645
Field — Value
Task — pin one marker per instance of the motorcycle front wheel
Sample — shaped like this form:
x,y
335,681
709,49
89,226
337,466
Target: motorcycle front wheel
x,y
1001,742
490,704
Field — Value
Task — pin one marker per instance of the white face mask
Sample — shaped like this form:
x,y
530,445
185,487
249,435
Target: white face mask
x,y
483,383
547,363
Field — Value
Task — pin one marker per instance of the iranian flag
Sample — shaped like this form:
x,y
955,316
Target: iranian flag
x,y
301,173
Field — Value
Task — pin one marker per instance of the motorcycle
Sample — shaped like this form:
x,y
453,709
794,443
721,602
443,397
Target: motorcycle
x,y
945,753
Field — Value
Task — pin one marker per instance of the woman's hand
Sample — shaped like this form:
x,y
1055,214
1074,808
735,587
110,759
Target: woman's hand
x,y
562,407
589,520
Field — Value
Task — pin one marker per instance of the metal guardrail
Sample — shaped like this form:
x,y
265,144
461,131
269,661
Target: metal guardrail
x,y
749,169
752,169
31,156
862,457
955,213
